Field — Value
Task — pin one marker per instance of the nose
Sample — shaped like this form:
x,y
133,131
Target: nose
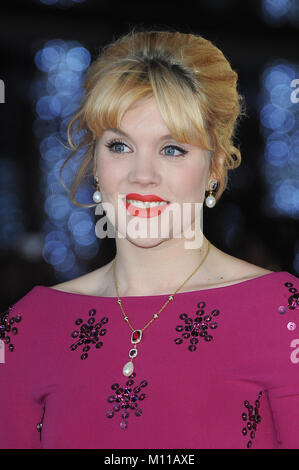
x,y
144,170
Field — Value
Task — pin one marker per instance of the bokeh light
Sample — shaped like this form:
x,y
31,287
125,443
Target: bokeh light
x,y
278,12
279,118
69,235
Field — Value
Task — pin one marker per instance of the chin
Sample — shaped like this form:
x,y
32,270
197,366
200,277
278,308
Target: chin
x,y
146,242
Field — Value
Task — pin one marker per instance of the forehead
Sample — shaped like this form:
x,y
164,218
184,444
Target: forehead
x,y
142,116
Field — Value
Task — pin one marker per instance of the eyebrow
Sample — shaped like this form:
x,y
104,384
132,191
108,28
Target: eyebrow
x,y
122,133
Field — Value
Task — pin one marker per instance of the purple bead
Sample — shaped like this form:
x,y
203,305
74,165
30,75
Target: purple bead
x,y
282,309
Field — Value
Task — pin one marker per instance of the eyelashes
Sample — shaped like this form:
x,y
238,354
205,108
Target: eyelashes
x,y
111,144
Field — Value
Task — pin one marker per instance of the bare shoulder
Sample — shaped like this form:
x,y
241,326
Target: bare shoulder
x,y
249,270
229,269
242,270
92,283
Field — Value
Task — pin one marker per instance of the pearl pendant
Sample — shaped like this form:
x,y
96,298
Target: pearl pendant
x,y
128,369
97,196
210,201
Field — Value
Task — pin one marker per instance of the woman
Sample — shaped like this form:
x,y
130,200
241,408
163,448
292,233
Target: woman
x,y
168,345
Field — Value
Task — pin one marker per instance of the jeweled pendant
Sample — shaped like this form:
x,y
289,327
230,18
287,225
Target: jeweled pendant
x,y
136,336
128,369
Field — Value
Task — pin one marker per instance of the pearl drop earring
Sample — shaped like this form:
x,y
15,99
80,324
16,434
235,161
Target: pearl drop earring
x,y
97,194
210,199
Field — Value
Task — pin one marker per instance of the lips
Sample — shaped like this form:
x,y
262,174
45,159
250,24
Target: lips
x,y
146,198
148,212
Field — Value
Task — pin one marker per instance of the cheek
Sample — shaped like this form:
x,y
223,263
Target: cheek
x,y
109,174
189,183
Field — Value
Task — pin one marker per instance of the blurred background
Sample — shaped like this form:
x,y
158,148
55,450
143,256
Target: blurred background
x,y
45,48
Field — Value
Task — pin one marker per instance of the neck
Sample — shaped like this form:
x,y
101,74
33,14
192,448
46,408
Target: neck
x,y
160,269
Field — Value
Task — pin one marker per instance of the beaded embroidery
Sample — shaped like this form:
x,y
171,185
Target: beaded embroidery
x,y
125,398
252,418
197,327
89,333
6,326
293,304
293,300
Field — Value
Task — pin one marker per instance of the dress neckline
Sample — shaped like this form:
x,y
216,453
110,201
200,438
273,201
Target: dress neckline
x,y
133,297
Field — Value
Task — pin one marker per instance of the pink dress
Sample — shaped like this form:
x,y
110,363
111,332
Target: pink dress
x,y
218,369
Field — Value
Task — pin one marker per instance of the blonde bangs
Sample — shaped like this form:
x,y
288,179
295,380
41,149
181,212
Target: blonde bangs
x,y
118,91
125,88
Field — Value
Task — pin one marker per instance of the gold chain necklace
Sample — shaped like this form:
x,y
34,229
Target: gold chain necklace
x,y
136,335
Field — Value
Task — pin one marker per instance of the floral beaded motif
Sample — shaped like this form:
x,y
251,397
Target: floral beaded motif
x,y
293,304
253,418
197,327
293,300
89,333
125,398
7,325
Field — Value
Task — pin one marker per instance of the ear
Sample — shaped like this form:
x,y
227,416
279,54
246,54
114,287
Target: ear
x,y
212,174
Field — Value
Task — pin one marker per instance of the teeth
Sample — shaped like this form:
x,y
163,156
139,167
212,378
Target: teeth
x,y
146,205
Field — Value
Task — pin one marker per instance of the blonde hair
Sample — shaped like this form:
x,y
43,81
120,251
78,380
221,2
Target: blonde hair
x,y
194,87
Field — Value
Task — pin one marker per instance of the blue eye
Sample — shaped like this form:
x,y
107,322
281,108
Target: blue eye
x,y
114,144
182,151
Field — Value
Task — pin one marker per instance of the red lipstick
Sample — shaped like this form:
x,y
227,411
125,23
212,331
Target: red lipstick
x,y
146,198
149,211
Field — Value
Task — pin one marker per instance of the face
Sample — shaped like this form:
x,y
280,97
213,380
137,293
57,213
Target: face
x,y
143,158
